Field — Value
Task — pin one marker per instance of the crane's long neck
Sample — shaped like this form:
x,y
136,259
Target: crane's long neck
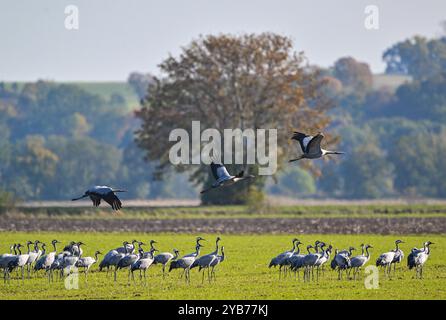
x,y
367,252
176,255
79,250
96,256
216,247
27,246
397,246
20,251
222,255
54,246
298,248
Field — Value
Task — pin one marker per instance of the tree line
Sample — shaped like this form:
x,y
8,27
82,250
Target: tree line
x,y
57,138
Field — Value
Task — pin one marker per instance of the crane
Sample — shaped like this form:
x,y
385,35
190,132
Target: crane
x,y
277,260
216,262
418,257
46,260
143,263
223,178
311,146
399,255
87,262
204,261
186,262
98,193
359,261
164,258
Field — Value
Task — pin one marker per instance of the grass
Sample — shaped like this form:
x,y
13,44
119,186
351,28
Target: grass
x,y
210,212
244,274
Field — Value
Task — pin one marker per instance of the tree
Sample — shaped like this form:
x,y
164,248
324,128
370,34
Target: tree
x,y
367,173
424,99
32,166
418,57
225,81
353,74
419,164
140,83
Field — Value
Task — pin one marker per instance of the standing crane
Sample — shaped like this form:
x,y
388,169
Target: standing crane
x,y
311,146
359,261
342,261
216,262
164,258
5,260
223,178
143,263
19,261
33,255
385,261
205,261
399,255
186,262
278,260
322,260
126,262
70,260
46,260
311,259
297,260
418,257
98,193
87,262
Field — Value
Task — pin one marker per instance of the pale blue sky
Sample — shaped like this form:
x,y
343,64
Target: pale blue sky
x,y
117,37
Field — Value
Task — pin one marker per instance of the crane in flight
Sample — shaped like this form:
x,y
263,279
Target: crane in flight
x,y
98,193
223,178
311,146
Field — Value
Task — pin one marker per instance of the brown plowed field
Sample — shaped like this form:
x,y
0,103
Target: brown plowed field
x,y
403,225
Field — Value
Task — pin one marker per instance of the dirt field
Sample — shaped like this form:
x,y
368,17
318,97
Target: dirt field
x,y
236,226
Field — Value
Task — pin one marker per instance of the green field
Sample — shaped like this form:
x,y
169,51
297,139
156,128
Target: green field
x,y
244,274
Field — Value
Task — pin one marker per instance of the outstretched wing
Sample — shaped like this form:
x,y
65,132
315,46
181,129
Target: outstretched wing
x,y
303,140
112,200
96,200
219,171
314,146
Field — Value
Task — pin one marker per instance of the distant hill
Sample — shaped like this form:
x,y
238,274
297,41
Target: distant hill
x,y
104,89
107,89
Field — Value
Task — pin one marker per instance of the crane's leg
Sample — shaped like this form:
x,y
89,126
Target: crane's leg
x,y
164,274
115,274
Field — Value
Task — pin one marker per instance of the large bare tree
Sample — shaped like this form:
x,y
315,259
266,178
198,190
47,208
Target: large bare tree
x,y
226,81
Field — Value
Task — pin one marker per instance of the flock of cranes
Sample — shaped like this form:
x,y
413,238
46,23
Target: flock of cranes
x,y
310,147
130,256
343,261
